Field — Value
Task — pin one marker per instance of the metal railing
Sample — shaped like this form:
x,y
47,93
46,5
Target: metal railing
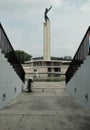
x,y
9,53
79,57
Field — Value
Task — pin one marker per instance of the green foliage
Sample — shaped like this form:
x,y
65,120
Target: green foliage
x,y
61,58
56,58
22,56
67,58
50,79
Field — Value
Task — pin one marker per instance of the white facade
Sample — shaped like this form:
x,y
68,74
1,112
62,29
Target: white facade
x,y
42,68
10,84
79,85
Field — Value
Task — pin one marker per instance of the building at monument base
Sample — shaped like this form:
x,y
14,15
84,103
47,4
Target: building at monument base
x,y
41,68
51,69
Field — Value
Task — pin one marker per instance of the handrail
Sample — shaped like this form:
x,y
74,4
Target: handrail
x,y
8,51
79,57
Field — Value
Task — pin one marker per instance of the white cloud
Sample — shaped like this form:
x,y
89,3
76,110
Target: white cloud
x,y
56,3
23,22
85,7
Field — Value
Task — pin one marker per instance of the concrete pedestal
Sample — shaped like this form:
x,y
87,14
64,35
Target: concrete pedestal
x,y
46,40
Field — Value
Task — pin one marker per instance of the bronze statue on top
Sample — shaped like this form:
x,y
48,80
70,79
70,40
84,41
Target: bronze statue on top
x,y
46,11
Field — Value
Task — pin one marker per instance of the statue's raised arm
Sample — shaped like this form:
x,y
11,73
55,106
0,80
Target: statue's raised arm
x,y
50,8
46,11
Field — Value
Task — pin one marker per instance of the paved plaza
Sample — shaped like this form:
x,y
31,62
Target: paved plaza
x,y
48,107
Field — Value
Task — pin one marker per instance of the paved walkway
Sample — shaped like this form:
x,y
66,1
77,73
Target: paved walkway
x,y
48,107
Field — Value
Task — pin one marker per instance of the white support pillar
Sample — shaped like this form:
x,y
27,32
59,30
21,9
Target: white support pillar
x,y
46,40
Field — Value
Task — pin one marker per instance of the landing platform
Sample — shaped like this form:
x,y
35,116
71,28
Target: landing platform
x,y
48,107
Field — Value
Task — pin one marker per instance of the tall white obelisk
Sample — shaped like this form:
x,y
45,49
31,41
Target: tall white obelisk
x,y
46,40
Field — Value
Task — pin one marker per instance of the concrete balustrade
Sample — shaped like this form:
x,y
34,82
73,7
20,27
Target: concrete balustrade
x,y
79,85
10,83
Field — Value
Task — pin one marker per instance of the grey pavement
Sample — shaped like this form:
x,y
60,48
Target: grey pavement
x,y
48,107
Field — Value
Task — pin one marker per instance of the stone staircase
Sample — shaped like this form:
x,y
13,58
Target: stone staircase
x,y
11,72
78,73
79,85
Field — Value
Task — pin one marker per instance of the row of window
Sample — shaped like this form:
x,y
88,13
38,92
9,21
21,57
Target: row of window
x,y
46,64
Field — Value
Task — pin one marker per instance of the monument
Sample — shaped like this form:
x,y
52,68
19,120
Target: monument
x,y
44,68
46,36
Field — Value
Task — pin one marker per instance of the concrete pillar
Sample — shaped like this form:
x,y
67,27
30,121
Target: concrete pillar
x,y
46,40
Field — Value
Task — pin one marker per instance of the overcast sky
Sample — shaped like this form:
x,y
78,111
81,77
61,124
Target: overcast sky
x,y
23,23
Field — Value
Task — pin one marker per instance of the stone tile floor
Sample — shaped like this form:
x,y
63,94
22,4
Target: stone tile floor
x,y
48,107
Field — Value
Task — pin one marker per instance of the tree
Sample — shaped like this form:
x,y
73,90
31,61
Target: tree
x,y
22,56
67,58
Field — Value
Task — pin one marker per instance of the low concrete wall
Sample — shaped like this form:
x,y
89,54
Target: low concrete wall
x,y
79,85
10,84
